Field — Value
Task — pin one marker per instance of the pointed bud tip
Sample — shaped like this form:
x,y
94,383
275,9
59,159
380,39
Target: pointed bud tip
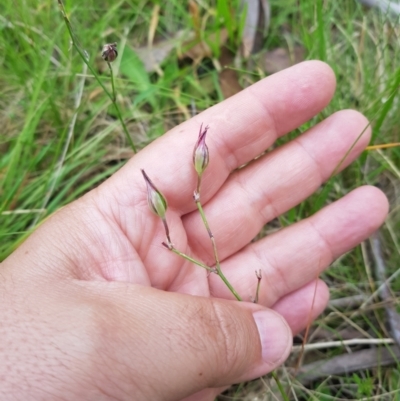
x,y
203,132
155,199
201,155
145,175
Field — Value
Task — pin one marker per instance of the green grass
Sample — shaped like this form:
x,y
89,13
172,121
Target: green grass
x,y
44,167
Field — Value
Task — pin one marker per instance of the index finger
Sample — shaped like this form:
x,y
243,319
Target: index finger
x,y
240,128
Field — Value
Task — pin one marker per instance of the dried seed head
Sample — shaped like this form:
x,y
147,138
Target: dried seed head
x,y
156,200
109,52
201,155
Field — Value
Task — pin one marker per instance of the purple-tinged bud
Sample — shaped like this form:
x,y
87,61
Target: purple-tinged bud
x,y
201,156
156,200
109,52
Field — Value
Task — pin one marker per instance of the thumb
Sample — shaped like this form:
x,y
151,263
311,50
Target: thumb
x,y
174,345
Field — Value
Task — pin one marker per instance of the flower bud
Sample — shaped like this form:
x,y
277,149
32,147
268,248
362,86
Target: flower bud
x,y
109,52
156,200
201,156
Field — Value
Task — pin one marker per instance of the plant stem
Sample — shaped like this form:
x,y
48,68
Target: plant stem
x,y
259,277
114,96
187,257
214,245
225,280
280,387
85,57
171,247
166,228
198,185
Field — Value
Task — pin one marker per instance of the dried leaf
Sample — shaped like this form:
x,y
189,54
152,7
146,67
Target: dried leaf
x,y
153,24
153,56
280,58
94,93
347,363
256,24
195,14
197,50
252,8
228,78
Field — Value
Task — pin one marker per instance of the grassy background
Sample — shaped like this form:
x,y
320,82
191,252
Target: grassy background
x,y
43,166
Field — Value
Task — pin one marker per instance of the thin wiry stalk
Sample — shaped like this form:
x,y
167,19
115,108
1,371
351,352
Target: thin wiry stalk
x,y
187,257
85,57
259,277
112,81
214,245
343,343
280,387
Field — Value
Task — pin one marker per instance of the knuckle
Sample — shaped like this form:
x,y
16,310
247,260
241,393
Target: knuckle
x,y
228,338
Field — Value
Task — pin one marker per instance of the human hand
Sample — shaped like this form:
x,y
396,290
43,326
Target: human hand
x,y
95,308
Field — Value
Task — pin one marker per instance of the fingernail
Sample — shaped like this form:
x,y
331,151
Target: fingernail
x,y
275,336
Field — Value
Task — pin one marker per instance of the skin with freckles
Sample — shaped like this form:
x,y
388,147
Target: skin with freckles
x,y
93,307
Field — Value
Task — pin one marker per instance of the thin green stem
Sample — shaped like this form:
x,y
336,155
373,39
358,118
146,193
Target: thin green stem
x,y
280,387
198,185
166,228
128,137
171,247
214,245
259,277
114,96
84,56
190,259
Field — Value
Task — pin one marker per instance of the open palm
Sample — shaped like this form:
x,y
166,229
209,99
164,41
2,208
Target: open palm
x,y
116,238
238,203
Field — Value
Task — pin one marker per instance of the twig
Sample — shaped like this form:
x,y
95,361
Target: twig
x,y
348,302
347,363
380,269
335,344
309,321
